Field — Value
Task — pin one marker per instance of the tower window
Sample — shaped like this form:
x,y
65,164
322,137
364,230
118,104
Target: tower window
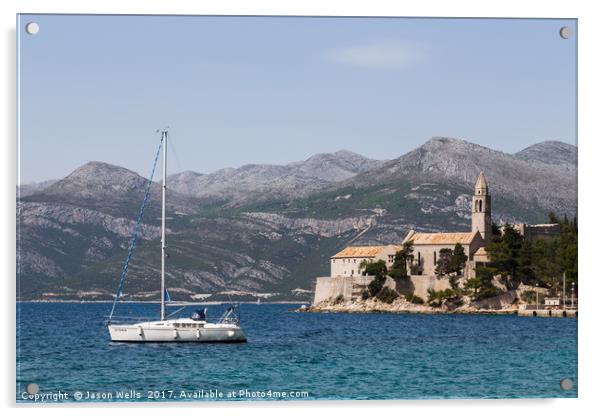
x,y
480,205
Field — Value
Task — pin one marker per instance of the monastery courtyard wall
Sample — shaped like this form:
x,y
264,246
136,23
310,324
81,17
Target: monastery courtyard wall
x,y
351,287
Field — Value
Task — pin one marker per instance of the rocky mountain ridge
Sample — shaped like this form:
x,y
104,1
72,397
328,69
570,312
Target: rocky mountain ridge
x,y
253,182
73,234
551,153
532,175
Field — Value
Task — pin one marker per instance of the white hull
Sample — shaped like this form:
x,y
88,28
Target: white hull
x,y
170,330
179,330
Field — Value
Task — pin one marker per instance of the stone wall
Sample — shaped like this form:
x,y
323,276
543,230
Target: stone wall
x,y
331,287
351,287
421,284
347,286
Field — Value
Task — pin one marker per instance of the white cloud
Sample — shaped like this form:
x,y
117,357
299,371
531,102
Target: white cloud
x,y
389,55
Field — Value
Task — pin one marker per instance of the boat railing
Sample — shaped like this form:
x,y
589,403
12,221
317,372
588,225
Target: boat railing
x,y
128,319
140,319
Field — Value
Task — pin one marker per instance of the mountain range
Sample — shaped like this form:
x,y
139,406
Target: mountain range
x,y
253,183
269,228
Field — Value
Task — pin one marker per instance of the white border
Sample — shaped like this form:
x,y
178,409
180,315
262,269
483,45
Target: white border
x,y
589,150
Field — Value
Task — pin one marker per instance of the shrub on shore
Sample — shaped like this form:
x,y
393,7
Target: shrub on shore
x,y
417,300
387,295
448,296
411,297
338,299
528,296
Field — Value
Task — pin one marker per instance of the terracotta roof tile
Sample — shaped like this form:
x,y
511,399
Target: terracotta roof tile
x,y
439,238
363,251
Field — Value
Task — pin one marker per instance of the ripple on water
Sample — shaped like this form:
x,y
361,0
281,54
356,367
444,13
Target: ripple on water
x,y
332,356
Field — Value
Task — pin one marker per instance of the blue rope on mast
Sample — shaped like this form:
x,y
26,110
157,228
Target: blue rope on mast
x,y
135,233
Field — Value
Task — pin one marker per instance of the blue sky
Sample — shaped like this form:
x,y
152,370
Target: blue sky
x,y
237,90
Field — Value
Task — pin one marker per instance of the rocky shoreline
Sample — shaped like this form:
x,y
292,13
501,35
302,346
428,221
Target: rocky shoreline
x,y
400,305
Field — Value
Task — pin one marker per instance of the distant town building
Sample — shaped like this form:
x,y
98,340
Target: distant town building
x,y
345,275
538,231
427,247
347,262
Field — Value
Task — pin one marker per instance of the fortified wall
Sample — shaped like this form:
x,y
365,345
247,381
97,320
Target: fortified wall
x,y
351,288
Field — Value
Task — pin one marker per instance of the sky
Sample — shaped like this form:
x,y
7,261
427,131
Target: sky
x,y
239,90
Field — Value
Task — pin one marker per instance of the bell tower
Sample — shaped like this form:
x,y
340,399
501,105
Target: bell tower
x,y
481,208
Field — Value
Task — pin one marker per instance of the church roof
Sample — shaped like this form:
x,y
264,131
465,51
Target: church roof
x,y
481,185
439,238
361,251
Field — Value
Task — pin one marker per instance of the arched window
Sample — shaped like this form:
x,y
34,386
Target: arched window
x,y
480,205
476,206
435,258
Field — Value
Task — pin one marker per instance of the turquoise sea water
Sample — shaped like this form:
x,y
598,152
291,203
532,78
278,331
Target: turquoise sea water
x,y
64,348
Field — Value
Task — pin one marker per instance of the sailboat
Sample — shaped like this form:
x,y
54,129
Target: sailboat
x,y
197,327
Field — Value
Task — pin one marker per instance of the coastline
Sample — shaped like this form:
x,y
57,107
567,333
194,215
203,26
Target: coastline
x,y
401,306
178,303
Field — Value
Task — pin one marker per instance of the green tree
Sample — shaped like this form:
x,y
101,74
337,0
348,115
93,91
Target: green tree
x,y
525,263
444,262
481,286
546,268
379,271
376,285
566,250
543,260
553,219
399,268
451,263
458,260
371,268
504,251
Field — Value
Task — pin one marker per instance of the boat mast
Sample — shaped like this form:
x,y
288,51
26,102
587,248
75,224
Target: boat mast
x,y
163,242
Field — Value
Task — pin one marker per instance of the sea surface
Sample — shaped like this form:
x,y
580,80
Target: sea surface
x,y
64,349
